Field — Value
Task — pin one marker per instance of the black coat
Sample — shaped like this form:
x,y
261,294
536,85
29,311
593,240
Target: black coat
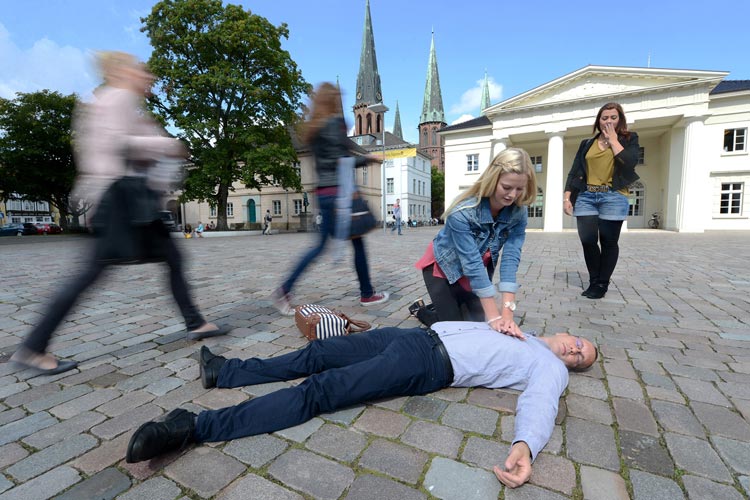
x,y
625,162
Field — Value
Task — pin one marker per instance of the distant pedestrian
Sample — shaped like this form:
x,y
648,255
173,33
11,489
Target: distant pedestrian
x,y
199,230
397,216
318,221
267,223
188,231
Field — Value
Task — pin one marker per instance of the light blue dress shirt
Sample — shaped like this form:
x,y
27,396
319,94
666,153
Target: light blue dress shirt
x,y
483,357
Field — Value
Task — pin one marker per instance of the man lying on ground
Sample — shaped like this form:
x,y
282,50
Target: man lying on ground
x,y
382,363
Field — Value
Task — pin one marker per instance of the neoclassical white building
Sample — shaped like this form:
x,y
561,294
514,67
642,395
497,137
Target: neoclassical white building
x,y
693,129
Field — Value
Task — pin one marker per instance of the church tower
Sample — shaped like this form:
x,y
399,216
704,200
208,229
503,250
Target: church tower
x,y
397,124
485,103
433,117
368,85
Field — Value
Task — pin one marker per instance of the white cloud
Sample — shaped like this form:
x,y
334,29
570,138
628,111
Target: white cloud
x,y
463,118
44,65
471,99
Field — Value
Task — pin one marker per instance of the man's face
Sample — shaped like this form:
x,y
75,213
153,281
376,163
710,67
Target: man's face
x,y
575,352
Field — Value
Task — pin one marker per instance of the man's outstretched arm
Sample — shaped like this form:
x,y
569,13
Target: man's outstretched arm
x,y
517,466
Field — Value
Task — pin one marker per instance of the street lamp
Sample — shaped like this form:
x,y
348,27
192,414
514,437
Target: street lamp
x,y
381,108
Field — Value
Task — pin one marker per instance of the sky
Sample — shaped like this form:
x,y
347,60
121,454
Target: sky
x,y
520,44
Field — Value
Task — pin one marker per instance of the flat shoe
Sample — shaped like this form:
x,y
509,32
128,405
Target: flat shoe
x,y
62,366
222,330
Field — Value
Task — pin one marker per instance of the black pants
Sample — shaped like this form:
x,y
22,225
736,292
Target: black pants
x,y
599,238
449,302
40,335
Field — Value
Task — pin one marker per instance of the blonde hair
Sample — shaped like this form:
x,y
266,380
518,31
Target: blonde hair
x,y
507,161
111,62
325,103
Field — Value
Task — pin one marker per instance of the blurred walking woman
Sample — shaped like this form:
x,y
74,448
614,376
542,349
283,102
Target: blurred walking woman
x,y
596,193
459,264
117,145
325,133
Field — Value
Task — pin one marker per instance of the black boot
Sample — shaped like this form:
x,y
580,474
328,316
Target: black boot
x,y
210,366
599,290
156,438
586,292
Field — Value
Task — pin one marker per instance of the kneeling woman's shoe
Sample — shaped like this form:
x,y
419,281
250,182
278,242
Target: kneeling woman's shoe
x,y
598,291
152,439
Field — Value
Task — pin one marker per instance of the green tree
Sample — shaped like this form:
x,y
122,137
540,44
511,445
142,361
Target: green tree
x,y
438,193
232,93
36,156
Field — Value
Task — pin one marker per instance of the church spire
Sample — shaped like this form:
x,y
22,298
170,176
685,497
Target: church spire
x,y
368,83
485,95
432,106
397,124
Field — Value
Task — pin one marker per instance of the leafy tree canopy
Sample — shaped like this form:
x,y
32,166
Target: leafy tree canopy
x,y
36,156
438,193
231,91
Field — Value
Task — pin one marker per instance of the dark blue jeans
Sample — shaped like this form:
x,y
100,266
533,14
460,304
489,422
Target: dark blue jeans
x,y
327,206
341,371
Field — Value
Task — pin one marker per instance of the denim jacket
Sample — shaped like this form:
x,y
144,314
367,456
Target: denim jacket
x,y
469,231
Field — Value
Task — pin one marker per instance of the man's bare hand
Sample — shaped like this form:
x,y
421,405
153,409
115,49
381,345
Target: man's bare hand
x,y
517,466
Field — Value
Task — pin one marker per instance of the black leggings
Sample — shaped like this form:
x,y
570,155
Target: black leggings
x,y
449,302
600,260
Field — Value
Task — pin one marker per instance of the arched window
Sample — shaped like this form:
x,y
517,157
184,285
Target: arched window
x,y
359,124
636,199
536,209
378,121
424,137
369,124
434,137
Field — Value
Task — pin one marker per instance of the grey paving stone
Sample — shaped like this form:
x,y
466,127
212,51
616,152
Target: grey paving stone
x,y
656,380
300,432
699,390
585,386
591,443
450,480
677,418
484,453
45,403
125,403
256,451
127,421
500,400
11,453
204,470
425,407
721,421
9,416
311,474
699,488
471,418
51,435
531,492
345,416
45,486
433,438
651,487
382,422
553,472
394,404
88,375
260,488
645,452
337,442
589,409
625,388
598,484
452,393
263,389
50,457
157,488
619,368
369,487
25,427
105,485
188,392
86,402
108,453
32,394
745,482
697,457
665,394
735,453
399,461
634,416
5,484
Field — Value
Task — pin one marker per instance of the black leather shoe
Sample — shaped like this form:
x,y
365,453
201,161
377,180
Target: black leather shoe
x,y
587,291
210,365
415,307
156,438
599,290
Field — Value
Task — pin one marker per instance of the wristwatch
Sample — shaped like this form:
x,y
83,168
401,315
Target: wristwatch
x,y
510,305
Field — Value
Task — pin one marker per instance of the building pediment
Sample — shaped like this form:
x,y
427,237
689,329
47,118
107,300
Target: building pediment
x,y
597,82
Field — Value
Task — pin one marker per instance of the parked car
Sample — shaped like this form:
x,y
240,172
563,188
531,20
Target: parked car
x,y
18,229
48,228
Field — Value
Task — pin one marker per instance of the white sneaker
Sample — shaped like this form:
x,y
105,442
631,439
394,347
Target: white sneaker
x,y
282,304
375,298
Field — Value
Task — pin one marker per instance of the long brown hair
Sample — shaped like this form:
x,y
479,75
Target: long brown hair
x,y
507,161
325,102
622,124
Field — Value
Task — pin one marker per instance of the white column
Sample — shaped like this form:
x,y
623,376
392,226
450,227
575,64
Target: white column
x,y
554,186
499,144
694,199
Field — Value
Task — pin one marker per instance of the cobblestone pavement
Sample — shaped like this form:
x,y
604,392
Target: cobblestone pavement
x,y
664,414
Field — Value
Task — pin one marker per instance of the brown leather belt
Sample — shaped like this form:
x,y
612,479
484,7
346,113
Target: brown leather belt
x,y
443,354
593,188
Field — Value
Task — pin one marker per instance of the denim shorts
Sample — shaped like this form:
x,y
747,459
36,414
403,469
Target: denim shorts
x,y
608,206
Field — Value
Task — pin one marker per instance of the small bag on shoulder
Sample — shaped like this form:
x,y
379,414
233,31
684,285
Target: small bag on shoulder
x,y
320,322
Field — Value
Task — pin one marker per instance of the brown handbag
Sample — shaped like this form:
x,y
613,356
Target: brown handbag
x,y
320,322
